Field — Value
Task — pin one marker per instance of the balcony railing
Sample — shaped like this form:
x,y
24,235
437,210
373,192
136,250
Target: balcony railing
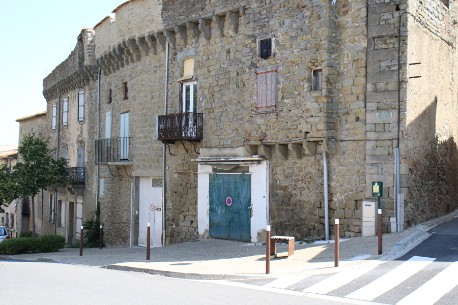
x,y
187,126
76,175
113,150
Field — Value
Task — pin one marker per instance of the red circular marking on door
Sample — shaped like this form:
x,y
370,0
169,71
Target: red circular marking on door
x,y
228,201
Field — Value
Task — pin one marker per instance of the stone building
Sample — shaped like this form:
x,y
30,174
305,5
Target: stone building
x,y
216,118
32,124
8,218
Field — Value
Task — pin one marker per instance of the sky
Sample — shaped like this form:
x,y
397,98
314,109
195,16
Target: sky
x,y
36,36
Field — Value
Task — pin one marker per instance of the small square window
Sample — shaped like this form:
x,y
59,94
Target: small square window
x,y
316,79
126,90
266,48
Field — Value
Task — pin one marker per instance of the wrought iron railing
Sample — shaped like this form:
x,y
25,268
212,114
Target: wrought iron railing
x,y
187,126
76,175
113,150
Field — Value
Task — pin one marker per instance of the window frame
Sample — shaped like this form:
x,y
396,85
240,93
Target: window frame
x,y
81,105
272,47
193,94
54,116
317,79
65,112
125,91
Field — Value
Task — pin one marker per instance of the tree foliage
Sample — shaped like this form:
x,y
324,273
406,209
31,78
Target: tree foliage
x,y
37,170
8,189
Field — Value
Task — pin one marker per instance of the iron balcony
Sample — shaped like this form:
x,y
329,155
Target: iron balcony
x,y
114,150
186,126
76,175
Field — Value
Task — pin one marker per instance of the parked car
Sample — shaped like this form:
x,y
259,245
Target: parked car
x,y
3,233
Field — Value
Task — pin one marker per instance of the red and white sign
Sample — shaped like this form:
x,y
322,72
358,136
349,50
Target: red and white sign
x,y
228,201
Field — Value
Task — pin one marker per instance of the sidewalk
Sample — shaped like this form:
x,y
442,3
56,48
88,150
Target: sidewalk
x,y
222,259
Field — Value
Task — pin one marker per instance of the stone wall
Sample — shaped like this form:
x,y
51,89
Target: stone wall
x,y
353,117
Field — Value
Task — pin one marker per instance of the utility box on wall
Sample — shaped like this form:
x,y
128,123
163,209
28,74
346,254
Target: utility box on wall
x,y
368,227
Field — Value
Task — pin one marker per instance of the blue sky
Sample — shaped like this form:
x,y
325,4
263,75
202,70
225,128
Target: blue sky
x,y
36,36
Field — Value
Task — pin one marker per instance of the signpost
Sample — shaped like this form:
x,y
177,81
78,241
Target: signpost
x,y
377,191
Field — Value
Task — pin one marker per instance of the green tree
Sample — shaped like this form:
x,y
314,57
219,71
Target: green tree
x,y
37,170
8,187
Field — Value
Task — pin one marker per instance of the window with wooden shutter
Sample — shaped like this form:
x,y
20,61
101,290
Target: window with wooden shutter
x,y
267,79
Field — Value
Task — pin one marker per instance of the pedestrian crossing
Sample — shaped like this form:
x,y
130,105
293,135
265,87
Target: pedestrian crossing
x,y
419,280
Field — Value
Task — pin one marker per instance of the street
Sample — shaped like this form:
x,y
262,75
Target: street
x,y
48,283
425,275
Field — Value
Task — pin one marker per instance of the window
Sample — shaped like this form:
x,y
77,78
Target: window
x,y
267,89
65,112
61,211
316,79
80,106
124,135
108,125
126,90
110,96
102,187
266,47
54,116
189,97
12,220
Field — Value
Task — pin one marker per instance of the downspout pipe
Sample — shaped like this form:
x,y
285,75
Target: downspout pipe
x,y
57,157
97,168
326,199
397,150
164,152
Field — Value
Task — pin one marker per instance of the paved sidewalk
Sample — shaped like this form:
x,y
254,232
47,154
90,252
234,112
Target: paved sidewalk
x,y
222,259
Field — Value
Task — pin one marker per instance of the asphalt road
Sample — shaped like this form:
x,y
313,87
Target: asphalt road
x,y
47,283
442,244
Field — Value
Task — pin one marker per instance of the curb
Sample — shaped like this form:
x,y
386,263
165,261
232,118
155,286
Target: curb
x,y
181,275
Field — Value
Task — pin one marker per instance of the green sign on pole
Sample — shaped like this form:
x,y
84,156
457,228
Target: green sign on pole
x,y
377,189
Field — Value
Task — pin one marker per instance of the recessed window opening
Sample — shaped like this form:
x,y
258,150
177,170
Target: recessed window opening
x,y
266,48
316,79
54,116
110,96
80,106
189,97
65,112
126,90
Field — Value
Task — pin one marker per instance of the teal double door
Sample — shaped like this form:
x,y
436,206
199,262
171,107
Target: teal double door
x,y
230,206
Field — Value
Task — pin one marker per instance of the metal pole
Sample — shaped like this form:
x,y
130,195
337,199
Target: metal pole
x,y
101,237
81,241
268,249
379,231
336,243
148,242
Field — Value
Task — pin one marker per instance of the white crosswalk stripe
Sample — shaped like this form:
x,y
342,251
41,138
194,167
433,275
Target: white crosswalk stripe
x,y
342,278
285,282
391,279
435,288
